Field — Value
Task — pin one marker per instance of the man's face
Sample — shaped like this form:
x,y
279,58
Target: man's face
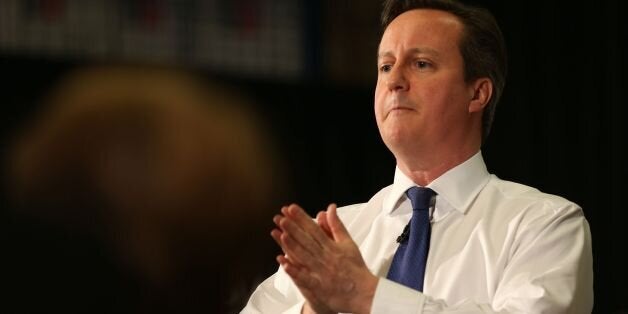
x,y
421,98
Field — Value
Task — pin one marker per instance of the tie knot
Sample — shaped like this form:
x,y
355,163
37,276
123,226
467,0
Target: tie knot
x,y
420,197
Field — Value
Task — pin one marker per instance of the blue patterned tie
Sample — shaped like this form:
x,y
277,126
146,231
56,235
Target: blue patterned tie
x,y
408,265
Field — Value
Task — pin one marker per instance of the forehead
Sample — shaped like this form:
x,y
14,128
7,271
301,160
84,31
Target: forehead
x,y
423,28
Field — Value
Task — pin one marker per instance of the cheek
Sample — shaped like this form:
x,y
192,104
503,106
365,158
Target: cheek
x,y
457,101
378,104
444,98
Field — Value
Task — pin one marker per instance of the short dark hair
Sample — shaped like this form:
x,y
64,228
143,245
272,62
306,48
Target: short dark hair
x,y
481,45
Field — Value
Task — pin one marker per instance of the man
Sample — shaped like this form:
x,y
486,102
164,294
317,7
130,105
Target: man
x,y
494,246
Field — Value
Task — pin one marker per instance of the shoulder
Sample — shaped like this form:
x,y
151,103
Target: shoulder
x,y
526,217
519,199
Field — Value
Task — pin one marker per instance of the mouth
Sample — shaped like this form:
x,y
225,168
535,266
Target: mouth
x,y
400,109
400,103
398,112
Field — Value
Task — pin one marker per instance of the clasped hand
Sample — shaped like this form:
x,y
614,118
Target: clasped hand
x,y
323,261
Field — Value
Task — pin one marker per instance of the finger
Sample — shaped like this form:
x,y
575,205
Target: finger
x,y
305,222
288,265
285,259
301,276
321,219
287,226
276,235
309,289
336,226
299,253
277,220
290,248
282,259
301,237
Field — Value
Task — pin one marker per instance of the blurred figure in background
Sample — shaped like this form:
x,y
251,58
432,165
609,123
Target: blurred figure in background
x,y
139,190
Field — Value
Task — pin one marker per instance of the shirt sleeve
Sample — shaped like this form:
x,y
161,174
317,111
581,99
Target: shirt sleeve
x,y
550,271
391,297
276,294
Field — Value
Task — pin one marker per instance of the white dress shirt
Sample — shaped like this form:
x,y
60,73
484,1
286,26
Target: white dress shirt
x,y
496,247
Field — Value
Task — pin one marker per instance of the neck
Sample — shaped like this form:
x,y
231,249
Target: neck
x,y
423,171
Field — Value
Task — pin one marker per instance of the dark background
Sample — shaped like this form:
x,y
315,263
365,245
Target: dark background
x,y
559,127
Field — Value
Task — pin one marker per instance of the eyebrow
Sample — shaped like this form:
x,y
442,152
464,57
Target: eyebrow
x,y
413,51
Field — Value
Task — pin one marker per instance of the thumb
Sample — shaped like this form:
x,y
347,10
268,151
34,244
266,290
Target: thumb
x,y
337,228
321,219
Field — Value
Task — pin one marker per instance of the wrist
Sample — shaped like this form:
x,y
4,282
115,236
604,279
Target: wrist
x,y
307,309
365,300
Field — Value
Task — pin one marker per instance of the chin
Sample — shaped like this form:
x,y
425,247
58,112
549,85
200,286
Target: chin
x,y
396,137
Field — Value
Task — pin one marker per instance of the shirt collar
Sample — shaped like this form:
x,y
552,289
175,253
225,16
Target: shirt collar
x,y
456,188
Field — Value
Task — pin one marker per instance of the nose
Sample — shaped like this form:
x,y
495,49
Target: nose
x,y
397,80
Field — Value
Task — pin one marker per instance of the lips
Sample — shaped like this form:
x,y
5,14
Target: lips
x,y
400,108
399,104
398,111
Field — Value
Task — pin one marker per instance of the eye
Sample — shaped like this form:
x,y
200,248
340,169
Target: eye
x,y
385,68
421,65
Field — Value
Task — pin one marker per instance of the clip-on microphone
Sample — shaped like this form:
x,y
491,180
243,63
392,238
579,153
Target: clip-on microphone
x,y
404,235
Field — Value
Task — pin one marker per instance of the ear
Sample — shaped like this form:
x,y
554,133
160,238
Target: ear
x,y
480,92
